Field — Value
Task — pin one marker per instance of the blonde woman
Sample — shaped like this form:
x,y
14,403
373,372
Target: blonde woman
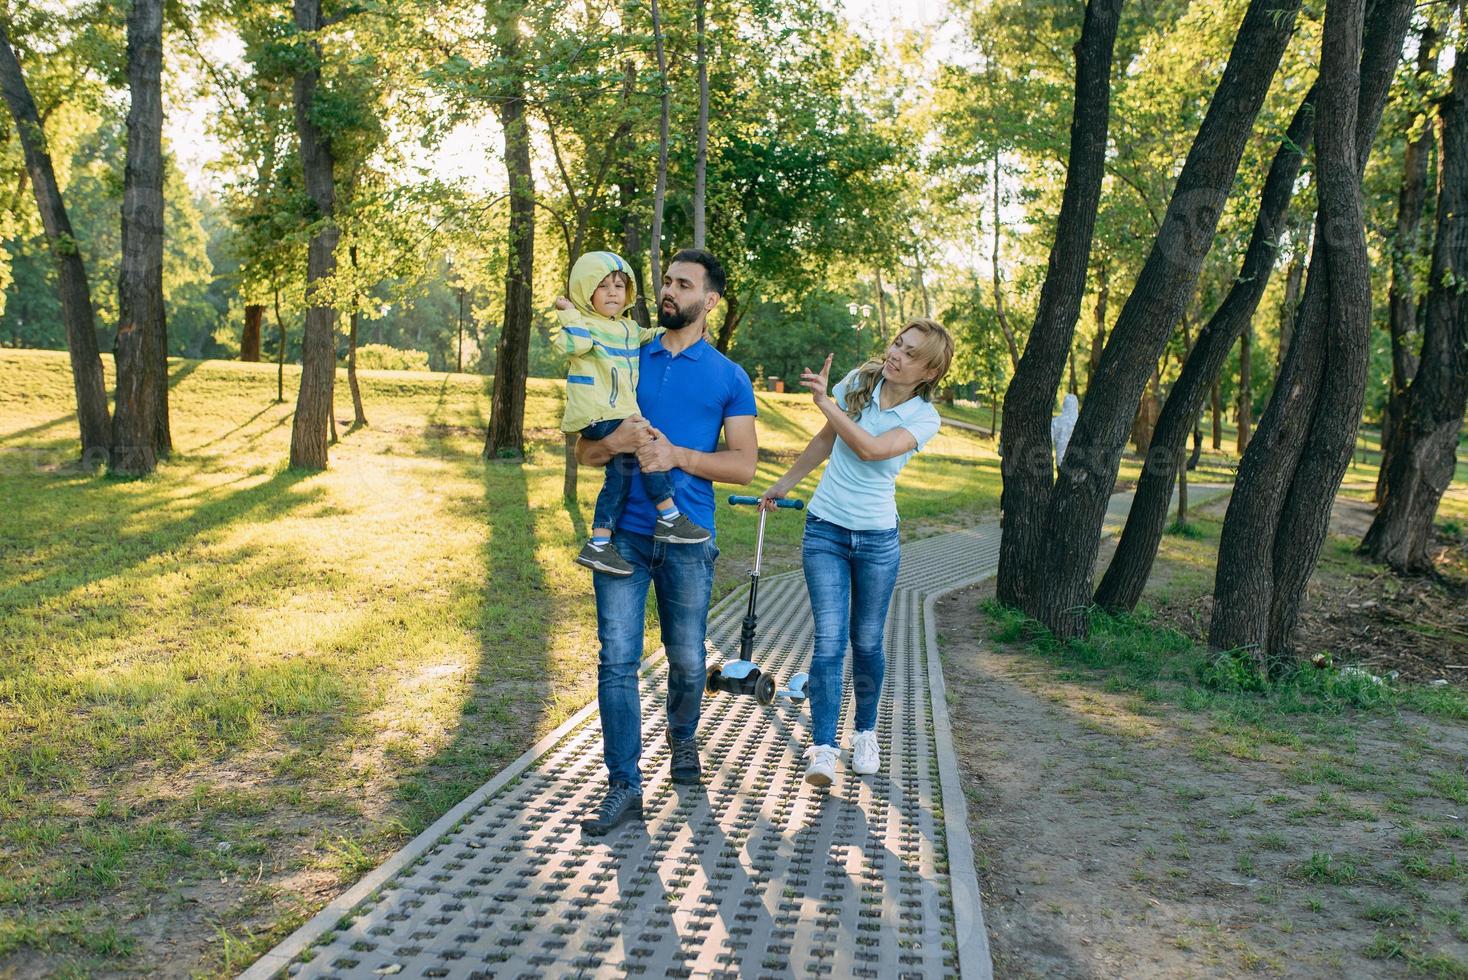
x,y
876,418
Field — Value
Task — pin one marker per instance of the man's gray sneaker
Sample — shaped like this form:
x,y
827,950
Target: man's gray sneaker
x,y
603,558
621,803
679,530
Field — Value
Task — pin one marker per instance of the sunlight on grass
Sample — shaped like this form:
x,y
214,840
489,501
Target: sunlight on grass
x,y
230,650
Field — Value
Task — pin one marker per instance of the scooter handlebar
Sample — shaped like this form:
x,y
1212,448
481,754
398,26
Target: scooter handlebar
x,y
791,502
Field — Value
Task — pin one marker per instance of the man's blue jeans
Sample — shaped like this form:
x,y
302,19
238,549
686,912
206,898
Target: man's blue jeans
x,y
617,481
682,577
850,576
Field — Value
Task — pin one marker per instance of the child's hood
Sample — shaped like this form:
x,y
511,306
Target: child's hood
x,y
587,274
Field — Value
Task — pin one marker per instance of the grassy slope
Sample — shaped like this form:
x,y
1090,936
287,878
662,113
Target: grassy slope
x,y
229,690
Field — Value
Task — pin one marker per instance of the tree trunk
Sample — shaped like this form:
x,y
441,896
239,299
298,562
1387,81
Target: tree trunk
x,y
1294,278
1215,400
310,428
88,381
631,240
733,313
1406,242
1432,417
1246,385
1182,495
280,351
1004,326
700,165
359,415
660,187
1077,505
250,339
506,439
140,422
1131,564
1098,339
1024,443
882,307
1280,508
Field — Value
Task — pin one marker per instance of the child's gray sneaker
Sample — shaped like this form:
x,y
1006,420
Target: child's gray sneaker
x,y
679,530
603,558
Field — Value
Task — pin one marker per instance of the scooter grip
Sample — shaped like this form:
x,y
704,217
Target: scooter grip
x,y
790,502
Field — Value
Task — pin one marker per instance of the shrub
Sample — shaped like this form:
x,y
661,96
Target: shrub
x,y
383,357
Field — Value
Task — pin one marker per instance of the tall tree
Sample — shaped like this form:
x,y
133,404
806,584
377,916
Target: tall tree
x,y
660,185
1280,509
1025,434
1405,245
1076,509
506,438
140,431
1425,454
75,293
1131,564
310,427
700,166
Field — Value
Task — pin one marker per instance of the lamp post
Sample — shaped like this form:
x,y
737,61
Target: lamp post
x,y
864,311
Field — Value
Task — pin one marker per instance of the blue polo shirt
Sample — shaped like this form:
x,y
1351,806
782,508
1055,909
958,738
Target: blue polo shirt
x,y
686,396
861,495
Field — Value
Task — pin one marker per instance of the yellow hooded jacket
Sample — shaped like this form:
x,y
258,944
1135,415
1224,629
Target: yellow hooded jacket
x,y
601,378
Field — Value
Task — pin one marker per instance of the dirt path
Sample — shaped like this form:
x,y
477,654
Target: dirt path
x,y
1120,834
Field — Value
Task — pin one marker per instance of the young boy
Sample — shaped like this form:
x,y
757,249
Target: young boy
x,y
601,391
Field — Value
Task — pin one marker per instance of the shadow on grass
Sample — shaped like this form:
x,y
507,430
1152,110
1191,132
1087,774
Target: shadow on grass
x,y
113,527
501,712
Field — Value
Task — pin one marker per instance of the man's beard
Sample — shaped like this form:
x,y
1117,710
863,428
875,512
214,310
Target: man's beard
x,y
675,319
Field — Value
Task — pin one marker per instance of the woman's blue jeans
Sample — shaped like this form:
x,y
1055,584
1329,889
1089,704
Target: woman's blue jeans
x,y
682,577
850,576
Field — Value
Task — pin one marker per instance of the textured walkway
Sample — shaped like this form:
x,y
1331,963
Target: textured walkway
x,y
754,874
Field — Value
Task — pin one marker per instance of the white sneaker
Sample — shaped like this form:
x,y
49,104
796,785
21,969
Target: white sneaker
x,y
866,757
821,770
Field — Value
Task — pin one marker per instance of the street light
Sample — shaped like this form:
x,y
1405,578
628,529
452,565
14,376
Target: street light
x,y
864,311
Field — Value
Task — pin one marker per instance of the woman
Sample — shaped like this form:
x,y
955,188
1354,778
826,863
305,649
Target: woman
x,y
876,418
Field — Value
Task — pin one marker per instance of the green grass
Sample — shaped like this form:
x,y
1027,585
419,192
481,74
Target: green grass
x,y
232,672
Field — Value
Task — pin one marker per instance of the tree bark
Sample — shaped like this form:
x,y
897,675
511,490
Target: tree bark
x,y
1432,415
1077,505
660,187
140,421
88,381
700,165
359,414
250,339
1131,564
1405,244
1280,509
506,439
311,426
1024,443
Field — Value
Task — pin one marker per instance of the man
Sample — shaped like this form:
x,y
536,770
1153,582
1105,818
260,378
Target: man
x,y
688,392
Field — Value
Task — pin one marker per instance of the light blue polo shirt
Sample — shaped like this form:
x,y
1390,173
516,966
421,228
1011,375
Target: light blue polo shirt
x,y
686,396
860,495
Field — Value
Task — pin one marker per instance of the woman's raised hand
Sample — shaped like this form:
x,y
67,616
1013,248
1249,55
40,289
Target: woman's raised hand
x,y
768,498
817,382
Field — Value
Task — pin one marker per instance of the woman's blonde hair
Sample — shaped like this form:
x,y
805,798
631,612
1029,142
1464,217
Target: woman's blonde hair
x,y
935,350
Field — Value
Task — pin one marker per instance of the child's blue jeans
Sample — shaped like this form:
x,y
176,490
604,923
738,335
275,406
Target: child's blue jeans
x,y
618,481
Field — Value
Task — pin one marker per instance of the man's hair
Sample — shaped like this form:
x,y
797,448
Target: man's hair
x,y
713,271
